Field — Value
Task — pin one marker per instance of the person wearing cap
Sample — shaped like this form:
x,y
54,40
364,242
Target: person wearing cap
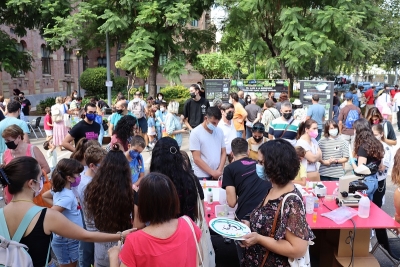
x,y
369,99
270,114
345,123
317,113
257,139
384,102
299,112
253,115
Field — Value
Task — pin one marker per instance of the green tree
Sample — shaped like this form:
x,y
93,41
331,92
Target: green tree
x,y
214,66
93,80
144,30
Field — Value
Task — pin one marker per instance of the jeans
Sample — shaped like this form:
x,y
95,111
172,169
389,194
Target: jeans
x,y
65,249
398,118
159,132
380,193
248,132
372,183
319,134
239,133
327,178
86,254
101,135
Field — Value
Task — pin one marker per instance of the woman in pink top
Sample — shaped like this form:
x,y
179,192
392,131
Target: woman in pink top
x,y
48,125
167,241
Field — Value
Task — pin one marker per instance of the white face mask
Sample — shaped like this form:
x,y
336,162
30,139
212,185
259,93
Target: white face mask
x,y
75,95
379,137
160,98
40,188
333,132
162,109
230,101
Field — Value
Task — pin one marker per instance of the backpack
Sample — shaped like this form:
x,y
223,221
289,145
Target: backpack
x,y
137,109
56,115
13,253
352,116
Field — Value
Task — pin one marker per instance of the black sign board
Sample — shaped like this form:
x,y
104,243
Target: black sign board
x,y
217,88
324,89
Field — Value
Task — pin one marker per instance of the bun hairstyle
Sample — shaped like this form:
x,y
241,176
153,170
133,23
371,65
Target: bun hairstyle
x,y
303,126
17,172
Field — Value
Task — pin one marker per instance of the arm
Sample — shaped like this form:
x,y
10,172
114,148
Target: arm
x,y
258,118
48,197
311,157
308,117
67,143
222,160
202,165
41,159
390,142
110,128
231,198
141,175
57,223
187,124
340,126
270,137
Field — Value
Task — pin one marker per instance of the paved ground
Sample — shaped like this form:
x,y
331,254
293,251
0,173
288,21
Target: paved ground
x,y
226,252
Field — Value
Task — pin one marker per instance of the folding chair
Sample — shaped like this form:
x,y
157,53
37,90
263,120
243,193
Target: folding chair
x,y
389,246
35,124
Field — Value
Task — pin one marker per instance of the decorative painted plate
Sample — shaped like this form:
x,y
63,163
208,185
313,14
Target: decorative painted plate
x,y
229,228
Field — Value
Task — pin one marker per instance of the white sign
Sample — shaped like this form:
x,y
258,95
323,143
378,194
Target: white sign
x,y
109,83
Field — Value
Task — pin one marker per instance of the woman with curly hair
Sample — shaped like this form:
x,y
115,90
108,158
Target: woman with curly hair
x,y
396,181
123,132
281,164
368,151
374,116
109,202
168,160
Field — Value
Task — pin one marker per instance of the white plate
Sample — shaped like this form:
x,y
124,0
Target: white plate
x,y
229,228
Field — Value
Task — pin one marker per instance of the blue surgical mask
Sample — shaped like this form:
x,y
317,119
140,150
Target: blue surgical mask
x,y
133,154
211,126
90,116
260,171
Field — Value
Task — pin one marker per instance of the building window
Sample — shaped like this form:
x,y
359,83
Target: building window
x,y
67,61
195,23
46,67
85,62
21,48
102,62
163,59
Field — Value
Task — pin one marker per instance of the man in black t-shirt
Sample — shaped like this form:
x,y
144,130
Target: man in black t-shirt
x,y
195,108
25,104
87,128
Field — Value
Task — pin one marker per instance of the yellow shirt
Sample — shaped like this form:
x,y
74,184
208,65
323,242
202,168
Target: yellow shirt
x,y
238,116
301,174
253,147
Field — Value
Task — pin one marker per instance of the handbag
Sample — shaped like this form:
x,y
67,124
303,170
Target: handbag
x,y
186,218
67,120
38,200
206,250
299,262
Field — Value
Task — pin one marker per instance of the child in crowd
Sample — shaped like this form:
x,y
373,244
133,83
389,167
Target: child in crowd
x,y
48,124
151,130
135,159
160,119
64,178
51,154
94,155
302,174
379,195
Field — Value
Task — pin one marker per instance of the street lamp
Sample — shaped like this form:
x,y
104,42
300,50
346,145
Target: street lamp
x,y
78,56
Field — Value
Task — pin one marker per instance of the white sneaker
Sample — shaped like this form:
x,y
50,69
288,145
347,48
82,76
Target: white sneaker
x,y
370,247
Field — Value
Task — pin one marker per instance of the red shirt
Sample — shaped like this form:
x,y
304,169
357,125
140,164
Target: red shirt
x,y
47,119
369,94
393,92
178,250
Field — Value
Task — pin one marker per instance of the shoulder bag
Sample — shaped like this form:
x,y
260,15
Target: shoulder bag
x,y
286,128
299,262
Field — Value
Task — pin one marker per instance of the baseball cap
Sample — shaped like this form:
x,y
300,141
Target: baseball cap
x,y
348,95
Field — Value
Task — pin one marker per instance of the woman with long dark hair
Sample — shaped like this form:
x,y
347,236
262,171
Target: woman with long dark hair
x,y
108,200
374,116
123,132
167,159
368,151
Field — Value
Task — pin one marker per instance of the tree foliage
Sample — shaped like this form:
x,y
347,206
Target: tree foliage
x,y
214,66
93,80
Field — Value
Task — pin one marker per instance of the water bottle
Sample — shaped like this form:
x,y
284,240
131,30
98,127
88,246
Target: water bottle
x,y
363,207
209,196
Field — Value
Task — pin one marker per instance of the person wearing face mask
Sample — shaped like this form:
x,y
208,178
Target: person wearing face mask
x,y
206,142
121,110
195,108
160,118
93,157
25,104
375,117
160,99
242,183
335,152
227,127
254,112
256,140
173,126
285,126
317,113
306,138
16,147
85,128
64,178
14,108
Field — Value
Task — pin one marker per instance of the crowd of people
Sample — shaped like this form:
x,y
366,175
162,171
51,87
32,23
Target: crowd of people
x,y
104,195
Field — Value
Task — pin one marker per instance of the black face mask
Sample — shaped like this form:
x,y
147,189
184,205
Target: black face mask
x,y
229,116
11,145
257,139
287,115
119,111
192,95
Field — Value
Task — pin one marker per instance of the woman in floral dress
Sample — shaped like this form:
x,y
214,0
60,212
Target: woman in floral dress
x,y
281,164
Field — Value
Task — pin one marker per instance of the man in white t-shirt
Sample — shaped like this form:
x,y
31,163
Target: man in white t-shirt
x,y
207,144
227,127
139,109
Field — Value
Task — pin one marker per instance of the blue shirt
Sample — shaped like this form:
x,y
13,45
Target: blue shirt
x,y
116,117
67,200
7,122
137,167
160,117
317,113
151,122
356,102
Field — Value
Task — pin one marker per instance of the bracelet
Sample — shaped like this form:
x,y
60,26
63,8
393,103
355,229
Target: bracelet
x,y
120,236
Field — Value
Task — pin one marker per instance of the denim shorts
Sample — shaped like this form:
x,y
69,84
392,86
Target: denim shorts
x,y
65,249
372,183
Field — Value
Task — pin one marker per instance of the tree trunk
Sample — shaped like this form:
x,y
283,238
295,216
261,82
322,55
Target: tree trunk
x,y
153,75
284,71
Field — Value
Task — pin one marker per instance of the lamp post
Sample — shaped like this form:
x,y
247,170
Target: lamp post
x,y
255,66
78,56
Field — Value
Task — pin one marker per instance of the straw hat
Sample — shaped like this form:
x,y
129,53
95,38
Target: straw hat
x,y
297,102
